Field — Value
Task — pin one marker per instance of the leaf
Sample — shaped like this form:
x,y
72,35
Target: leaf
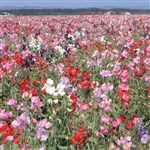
x,y
116,106
62,147
15,147
72,147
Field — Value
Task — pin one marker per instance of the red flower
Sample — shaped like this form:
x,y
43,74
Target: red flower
x,y
78,138
82,128
34,91
73,96
43,91
72,139
16,140
134,117
130,125
6,48
122,118
34,82
43,80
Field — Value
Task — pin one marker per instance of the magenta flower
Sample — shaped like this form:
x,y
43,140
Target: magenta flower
x,y
41,134
21,121
106,73
104,119
84,107
103,130
116,122
26,147
4,114
125,54
97,134
12,102
125,141
35,102
125,76
123,86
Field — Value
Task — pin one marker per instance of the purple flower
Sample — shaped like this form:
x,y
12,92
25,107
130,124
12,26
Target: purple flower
x,y
143,132
42,123
21,121
144,138
41,134
35,102
2,147
106,73
104,119
9,138
43,148
139,122
12,102
26,147
4,114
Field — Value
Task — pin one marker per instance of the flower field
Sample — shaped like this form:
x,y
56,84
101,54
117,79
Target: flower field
x,y
75,82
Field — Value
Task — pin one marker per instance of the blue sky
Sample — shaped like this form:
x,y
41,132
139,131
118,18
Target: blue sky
x,y
77,3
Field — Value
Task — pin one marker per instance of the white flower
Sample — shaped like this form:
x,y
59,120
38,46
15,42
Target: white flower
x,y
50,82
60,49
102,39
77,34
35,44
56,101
50,101
62,93
55,93
60,86
50,90
71,36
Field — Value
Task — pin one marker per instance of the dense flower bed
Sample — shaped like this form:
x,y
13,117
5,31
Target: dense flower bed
x,y
75,82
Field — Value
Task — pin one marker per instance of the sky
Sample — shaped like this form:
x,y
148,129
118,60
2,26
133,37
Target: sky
x,y
77,3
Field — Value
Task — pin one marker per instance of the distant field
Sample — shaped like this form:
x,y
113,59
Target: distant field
x,y
75,82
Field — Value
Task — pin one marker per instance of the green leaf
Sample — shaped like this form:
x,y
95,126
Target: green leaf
x,y
15,147
62,147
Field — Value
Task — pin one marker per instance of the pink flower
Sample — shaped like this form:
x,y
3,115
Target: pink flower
x,y
112,146
4,114
105,119
21,121
125,141
123,86
84,107
34,121
12,102
48,125
35,102
116,122
125,76
103,130
125,54
97,134
42,123
102,104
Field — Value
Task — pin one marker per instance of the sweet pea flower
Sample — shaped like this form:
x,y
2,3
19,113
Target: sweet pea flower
x,y
35,102
104,119
12,102
21,121
103,130
125,141
116,122
144,138
125,76
97,134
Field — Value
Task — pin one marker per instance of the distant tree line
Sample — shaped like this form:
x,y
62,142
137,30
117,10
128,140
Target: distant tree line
x,y
69,11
